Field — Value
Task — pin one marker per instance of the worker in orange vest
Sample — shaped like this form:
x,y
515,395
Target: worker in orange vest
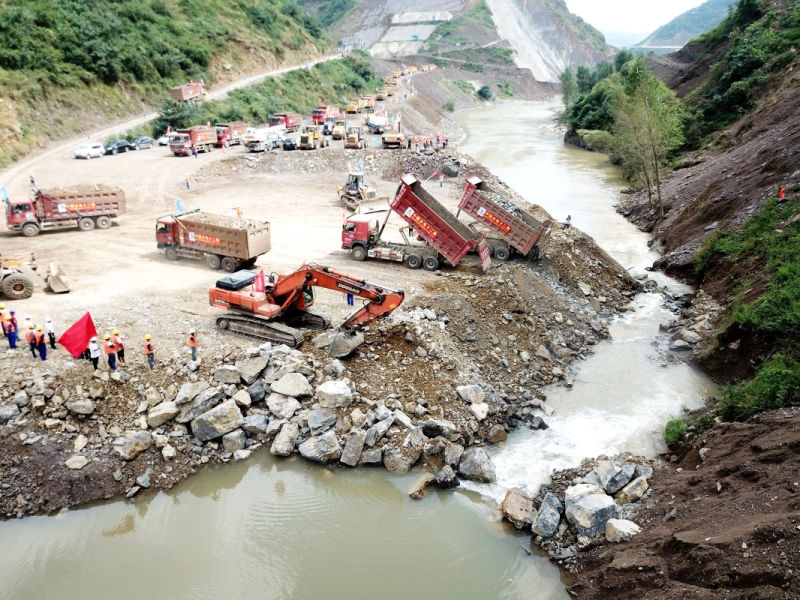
x,y
11,334
30,339
111,352
193,344
149,351
117,339
41,342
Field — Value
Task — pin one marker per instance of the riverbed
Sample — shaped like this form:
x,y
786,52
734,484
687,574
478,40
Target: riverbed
x,y
277,528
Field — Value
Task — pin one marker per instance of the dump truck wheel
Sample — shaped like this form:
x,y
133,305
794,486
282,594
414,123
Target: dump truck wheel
x,y
431,263
502,253
213,261
534,253
358,253
30,230
171,253
103,222
229,264
86,224
17,287
413,261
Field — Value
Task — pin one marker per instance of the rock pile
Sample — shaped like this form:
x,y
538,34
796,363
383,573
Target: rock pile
x,y
582,508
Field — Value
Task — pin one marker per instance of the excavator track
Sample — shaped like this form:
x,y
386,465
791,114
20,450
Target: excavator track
x,y
309,319
253,327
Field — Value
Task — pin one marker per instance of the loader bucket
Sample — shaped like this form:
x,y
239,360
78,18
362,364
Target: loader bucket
x,y
338,343
57,281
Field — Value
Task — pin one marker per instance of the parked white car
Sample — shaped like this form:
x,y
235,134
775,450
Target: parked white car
x,y
163,140
90,151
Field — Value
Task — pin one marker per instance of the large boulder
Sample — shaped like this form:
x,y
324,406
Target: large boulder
x,y
8,412
377,431
235,440
614,475
420,487
80,407
282,406
207,399
439,427
334,394
440,452
189,391
588,507
161,413
226,374
547,518
397,461
633,492
621,530
20,398
257,391
518,508
321,449
473,394
284,442
476,465
255,424
293,384
479,410
132,443
242,398
218,421
353,446
250,369
320,420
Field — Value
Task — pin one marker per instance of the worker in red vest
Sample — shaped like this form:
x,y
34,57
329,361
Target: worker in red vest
x,y
117,339
11,334
41,342
111,352
29,338
193,344
149,351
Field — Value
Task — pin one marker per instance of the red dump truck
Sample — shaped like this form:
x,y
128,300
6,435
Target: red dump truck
x,y
291,121
222,241
230,134
433,233
83,207
188,92
320,113
512,229
201,137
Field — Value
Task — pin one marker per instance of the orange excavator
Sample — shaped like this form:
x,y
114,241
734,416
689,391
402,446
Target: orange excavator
x,y
289,298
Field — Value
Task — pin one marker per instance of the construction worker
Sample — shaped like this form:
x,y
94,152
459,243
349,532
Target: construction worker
x,y
149,351
51,332
94,352
193,343
29,338
117,339
111,352
567,223
41,342
11,334
12,318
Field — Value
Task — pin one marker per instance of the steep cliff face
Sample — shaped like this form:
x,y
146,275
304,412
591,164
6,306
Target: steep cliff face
x,y
547,37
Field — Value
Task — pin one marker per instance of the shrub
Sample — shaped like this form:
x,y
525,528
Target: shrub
x,y
449,106
674,430
777,384
485,93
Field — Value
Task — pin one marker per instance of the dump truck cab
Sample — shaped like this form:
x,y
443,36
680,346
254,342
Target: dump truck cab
x,y
165,232
18,212
360,230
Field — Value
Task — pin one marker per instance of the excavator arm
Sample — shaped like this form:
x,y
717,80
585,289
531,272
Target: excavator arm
x,y
381,301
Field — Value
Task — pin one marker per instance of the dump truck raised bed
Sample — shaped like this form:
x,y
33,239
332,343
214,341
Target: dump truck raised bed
x,y
512,229
221,240
445,237
290,121
83,207
200,137
188,92
229,134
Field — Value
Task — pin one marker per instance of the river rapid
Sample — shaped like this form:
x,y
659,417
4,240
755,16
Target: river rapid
x,y
277,528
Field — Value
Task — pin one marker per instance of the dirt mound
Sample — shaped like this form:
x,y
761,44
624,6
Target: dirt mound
x,y
721,523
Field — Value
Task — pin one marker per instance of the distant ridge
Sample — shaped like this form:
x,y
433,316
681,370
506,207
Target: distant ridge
x,y
688,25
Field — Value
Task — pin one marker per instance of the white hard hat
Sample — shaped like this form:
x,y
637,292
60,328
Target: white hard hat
x,y
48,319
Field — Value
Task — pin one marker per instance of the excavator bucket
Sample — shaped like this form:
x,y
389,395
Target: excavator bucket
x,y
57,281
339,343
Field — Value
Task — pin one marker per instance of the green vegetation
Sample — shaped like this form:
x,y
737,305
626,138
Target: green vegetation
x,y
464,86
674,431
329,12
65,62
690,24
582,30
449,106
484,93
769,242
505,90
297,91
473,27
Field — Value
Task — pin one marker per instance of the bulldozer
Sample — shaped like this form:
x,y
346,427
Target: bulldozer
x,y
354,139
272,308
356,195
19,278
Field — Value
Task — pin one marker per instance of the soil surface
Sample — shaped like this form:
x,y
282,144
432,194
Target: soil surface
x,y
721,522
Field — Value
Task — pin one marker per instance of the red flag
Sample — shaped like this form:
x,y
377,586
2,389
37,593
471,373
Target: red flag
x,y
783,193
76,338
258,282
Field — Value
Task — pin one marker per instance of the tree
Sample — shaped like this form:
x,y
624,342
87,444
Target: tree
x,y
647,127
485,93
623,56
569,86
586,79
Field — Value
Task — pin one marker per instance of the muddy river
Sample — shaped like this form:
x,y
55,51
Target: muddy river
x,y
269,528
